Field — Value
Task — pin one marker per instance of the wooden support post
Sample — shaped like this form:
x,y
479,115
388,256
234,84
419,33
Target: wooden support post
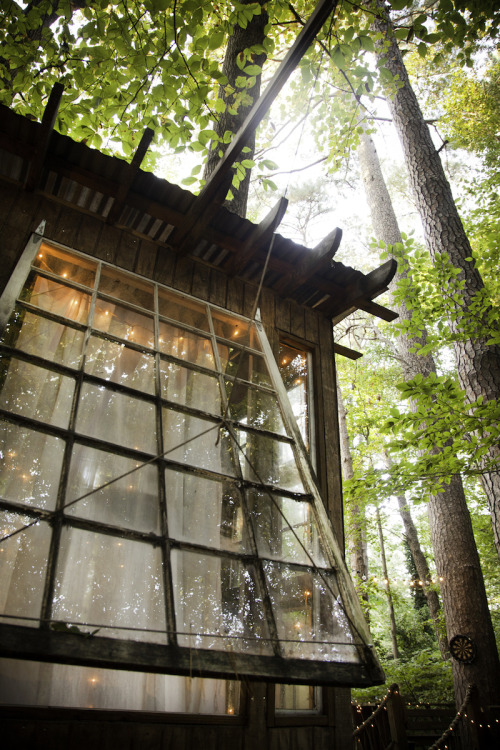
x,y
258,237
130,172
46,128
396,717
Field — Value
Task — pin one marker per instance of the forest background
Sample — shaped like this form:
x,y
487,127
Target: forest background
x,y
409,433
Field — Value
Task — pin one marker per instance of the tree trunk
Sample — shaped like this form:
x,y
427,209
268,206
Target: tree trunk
x,y
392,617
356,522
240,40
457,562
478,365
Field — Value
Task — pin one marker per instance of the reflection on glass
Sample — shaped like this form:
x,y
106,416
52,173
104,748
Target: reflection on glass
x,y
285,529
254,407
117,418
309,615
106,582
243,365
184,310
30,467
66,265
197,442
294,368
205,511
242,332
131,501
45,338
23,559
268,461
297,698
124,323
218,604
182,344
127,288
35,392
120,364
189,387
30,683
56,298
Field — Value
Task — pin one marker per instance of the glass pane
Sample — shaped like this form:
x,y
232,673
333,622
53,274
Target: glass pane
x,y
117,418
183,344
56,298
205,511
23,560
297,698
285,529
35,392
309,615
127,288
131,501
268,461
243,332
66,265
182,309
293,366
243,365
197,442
31,465
254,408
124,323
217,604
111,585
190,388
120,364
30,683
44,338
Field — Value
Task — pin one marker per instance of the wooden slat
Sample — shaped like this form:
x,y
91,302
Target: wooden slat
x,y
314,262
129,173
44,134
260,235
379,311
344,351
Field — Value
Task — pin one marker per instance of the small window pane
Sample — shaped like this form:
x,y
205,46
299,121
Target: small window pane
x,y
35,392
242,332
117,418
285,529
56,298
23,559
127,288
124,323
268,461
31,465
66,265
205,511
197,442
106,583
309,615
131,502
243,365
44,338
218,605
184,310
254,407
190,388
120,364
182,344
297,698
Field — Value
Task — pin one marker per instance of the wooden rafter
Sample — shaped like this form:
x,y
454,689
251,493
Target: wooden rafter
x,y
47,126
129,173
314,262
361,291
260,235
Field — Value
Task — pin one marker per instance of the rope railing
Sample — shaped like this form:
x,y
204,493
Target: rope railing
x,y
440,744
369,723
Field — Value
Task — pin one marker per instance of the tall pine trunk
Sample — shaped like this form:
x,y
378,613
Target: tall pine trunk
x,y
478,365
457,561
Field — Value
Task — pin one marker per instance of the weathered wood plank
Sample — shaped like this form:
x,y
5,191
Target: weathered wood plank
x,y
218,287
201,281
297,320
128,251
146,258
88,235
164,268
283,315
249,297
183,274
67,227
107,247
311,323
235,292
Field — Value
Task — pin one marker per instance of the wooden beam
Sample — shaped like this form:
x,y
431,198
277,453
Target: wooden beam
x,y
259,109
258,237
130,172
367,287
344,351
199,217
44,134
317,260
379,311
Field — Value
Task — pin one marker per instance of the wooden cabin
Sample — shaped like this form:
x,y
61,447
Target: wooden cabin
x,y
171,537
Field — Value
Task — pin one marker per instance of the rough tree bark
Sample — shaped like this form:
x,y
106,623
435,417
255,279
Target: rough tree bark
x,y
392,616
457,562
240,40
478,365
356,523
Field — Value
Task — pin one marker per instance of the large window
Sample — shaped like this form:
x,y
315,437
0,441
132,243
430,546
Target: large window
x,y
153,490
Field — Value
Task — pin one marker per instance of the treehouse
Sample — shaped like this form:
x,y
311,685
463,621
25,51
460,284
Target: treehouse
x,y
171,548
